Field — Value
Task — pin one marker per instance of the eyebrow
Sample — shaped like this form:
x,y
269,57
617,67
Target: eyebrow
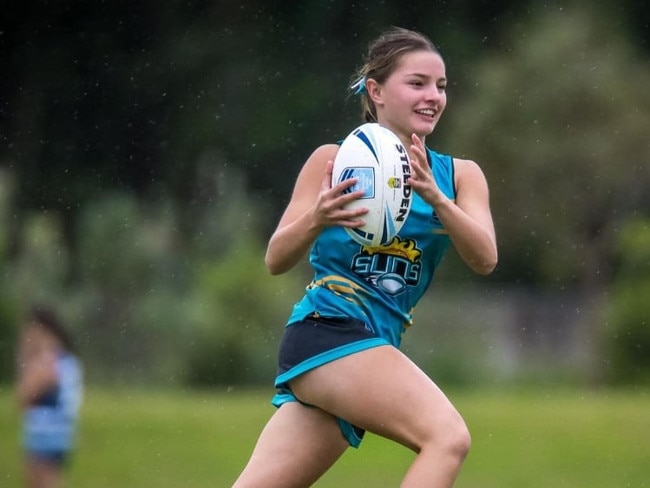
x,y
421,75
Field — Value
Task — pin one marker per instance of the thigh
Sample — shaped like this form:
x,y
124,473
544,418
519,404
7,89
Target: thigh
x,y
295,448
382,391
43,473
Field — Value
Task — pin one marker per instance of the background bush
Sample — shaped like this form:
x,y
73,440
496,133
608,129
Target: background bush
x,y
629,314
147,153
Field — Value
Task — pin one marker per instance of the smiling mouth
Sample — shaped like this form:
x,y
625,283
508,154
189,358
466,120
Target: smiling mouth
x,y
427,112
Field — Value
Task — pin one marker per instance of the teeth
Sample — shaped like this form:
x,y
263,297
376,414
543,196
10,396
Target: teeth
x,y
428,112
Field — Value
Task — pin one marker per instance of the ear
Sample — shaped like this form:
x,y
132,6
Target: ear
x,y
374,91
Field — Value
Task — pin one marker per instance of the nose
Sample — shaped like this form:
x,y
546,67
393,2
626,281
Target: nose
x,y
435,93
436,96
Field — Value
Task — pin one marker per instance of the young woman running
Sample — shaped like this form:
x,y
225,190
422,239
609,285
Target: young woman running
x,y
340,370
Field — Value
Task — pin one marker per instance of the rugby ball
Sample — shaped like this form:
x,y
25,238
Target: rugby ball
x,y
378,159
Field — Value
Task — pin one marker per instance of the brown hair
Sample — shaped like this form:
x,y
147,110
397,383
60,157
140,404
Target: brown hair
x,y
384,54
47,318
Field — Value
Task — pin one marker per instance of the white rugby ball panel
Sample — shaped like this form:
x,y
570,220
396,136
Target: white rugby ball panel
x,y
377,158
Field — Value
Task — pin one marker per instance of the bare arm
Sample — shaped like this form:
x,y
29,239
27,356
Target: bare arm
x,y
314,205
35,376
468,220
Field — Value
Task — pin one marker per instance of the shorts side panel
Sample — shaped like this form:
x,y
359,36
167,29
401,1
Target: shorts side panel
x,y
351,433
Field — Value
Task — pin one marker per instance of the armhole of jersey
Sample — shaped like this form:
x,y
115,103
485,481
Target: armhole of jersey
x,y
453,176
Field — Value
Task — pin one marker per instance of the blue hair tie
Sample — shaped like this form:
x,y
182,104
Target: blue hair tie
x,y
360,86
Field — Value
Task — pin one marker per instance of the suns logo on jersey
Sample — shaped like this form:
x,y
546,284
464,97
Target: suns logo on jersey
x,y
391,267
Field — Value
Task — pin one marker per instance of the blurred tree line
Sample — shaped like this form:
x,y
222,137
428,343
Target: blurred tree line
x,y
148,150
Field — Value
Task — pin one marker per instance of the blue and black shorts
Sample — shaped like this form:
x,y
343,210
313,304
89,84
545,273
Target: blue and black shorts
x,y
54,457
315,341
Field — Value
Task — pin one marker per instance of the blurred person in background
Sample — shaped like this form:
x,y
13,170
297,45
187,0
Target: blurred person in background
x,y
49,391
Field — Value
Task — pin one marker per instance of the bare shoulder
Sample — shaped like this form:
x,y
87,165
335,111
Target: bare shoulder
x,y
323,154
311,175
315,165
468,172
327,150
463,166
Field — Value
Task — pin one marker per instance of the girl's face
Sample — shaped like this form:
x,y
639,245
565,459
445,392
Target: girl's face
x,y
413,97
38,340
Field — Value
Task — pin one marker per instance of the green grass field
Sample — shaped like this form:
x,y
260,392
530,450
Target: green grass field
x,y
523,439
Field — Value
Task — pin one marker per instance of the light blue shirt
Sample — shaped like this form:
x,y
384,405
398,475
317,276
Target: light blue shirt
x,y
50,424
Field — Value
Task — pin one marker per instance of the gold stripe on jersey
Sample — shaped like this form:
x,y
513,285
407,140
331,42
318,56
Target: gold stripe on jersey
x,y
341,286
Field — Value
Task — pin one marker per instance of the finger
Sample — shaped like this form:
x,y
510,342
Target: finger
x,y
418,168
351,218
344,197
417,153
340,215
354,212
353,223
327,176
418,146
347,184
339,187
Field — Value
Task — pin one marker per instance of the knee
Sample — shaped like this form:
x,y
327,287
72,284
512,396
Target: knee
x,y
459,440
450,436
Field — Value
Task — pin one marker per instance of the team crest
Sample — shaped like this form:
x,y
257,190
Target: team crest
x,y
391,267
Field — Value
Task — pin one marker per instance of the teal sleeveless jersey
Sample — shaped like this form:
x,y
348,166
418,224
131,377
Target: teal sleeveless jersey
x,y
379,285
